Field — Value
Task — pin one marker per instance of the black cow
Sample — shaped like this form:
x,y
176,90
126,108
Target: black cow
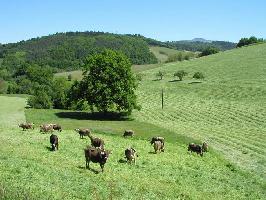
x,y
128,133
54,142
96,155
195,148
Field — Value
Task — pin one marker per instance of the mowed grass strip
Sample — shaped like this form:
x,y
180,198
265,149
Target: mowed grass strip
x,y
12,111
227,109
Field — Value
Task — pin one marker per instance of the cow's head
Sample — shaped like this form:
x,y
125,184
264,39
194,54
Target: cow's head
x,y
53,147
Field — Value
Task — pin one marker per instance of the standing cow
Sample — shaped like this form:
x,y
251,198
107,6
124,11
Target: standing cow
x,y
25,126
158,146
96,155
195,148
54,142
131,155
128,133
46,128
83,132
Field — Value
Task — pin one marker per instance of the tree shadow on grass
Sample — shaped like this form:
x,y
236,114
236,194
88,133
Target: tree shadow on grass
x,y
195,82
110,116
151,152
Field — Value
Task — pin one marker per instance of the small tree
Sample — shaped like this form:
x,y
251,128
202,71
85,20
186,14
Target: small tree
x,y
198,75
180,74
160,75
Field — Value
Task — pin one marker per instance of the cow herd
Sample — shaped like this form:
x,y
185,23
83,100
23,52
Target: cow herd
x,y
96,152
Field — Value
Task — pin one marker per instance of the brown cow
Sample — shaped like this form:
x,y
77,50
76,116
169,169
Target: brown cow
x,y
25,126
96,142
46,128
83,132
158,146
205,147
96,155
57,127
131,155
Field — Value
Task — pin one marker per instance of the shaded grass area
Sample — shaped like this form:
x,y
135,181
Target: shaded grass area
x,y
71,120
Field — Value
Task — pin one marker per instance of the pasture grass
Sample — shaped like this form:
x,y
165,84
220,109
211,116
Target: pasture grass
x,y
227,109
31,170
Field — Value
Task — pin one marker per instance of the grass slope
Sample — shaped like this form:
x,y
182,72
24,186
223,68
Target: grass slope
x,y
227,110
30,171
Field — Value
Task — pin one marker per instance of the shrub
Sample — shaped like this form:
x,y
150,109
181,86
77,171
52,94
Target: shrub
x,y
198,75
180,74
209,51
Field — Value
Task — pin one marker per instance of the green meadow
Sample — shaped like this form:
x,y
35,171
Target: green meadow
x,y
226,109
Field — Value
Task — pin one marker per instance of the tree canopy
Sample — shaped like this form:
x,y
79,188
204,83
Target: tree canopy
x,y
110,85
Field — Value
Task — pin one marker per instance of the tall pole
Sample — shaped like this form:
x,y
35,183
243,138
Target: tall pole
x,y
162,98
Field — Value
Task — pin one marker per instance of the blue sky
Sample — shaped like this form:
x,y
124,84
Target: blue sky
x,y
159,19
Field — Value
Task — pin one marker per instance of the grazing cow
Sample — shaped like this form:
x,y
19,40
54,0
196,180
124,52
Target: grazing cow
x,y
57,127
83,132
96,142
158,146
131,155
128,133
25,126
96,155
195,148
46,128
205,147
158,138
54,142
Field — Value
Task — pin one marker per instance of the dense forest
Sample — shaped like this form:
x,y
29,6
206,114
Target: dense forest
x,y
67,51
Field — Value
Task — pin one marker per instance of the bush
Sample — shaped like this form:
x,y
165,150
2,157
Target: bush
x,y
41,100
180,74
198,75
209,51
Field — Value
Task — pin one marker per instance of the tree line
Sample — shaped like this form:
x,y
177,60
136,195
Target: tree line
x,y
108,85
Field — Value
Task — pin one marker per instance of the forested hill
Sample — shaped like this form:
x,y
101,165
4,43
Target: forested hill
x,y
67,51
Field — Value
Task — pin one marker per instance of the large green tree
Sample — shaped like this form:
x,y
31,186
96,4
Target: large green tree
x,y
108,83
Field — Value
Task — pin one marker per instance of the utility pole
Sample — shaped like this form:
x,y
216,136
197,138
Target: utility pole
x,y
162,98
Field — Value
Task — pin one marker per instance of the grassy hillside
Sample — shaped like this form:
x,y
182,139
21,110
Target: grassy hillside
x,y
29,170
163,54
227,109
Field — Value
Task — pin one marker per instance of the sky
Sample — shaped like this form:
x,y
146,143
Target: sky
x,y
165,20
